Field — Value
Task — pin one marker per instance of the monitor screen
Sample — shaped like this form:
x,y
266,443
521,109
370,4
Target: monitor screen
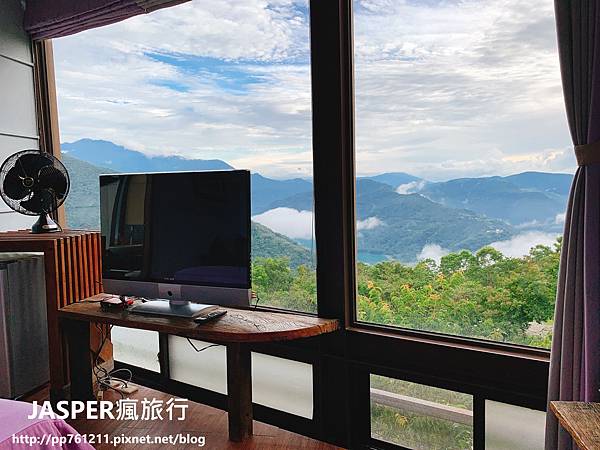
x,y
182,228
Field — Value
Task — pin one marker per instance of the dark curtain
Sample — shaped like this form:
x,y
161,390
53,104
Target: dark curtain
x,y
575,357
47,19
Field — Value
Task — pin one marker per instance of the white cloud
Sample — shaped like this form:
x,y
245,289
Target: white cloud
x,y
560,219
412,187
459,88
521,244
287,221
252,109
368,224
443,88
432,251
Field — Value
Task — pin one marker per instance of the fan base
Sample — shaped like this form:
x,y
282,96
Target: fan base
x,y
45,224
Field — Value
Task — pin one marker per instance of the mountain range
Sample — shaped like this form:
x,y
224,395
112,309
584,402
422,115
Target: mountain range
x,y
117,158
398,226
398,213
525,200
83,212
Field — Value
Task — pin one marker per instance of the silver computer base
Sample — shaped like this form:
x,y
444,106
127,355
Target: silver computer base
x,y
187,310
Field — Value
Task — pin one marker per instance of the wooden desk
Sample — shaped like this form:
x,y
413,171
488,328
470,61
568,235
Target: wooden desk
x,y
581,420
236,330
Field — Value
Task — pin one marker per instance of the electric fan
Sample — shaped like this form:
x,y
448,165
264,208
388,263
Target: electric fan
x,y
34,183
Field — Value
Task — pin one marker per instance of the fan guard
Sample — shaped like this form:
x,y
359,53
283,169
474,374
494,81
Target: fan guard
x,y
34,183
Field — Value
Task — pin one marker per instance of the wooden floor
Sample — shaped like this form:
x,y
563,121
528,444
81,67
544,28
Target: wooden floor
x,y
200,420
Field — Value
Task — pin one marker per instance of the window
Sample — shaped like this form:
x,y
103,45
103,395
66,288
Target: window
x,y
136,347
201,86
417,416
463,167
341,369
279,383
514,427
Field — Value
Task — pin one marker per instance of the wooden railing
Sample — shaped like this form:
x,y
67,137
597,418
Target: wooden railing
x,y
422,407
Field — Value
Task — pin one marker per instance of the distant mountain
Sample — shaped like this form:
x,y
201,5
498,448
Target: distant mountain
x,y
399,226
302,201
455,214
528,199
556,183
83,201
409,222
120,159
393,179
105,154
266,191
533,198
83,212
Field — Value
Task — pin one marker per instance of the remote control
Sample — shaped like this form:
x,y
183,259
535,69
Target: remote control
x,y
210,316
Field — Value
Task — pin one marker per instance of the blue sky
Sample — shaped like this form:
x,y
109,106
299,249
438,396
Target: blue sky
x,y
232,76
444,88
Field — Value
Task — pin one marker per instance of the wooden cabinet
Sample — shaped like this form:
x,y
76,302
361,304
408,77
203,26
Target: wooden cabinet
x,y
73,271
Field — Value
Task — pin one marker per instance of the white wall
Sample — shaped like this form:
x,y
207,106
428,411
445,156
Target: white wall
x,y
18,128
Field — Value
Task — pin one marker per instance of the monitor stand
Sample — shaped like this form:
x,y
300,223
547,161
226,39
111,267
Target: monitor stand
x,y
163,307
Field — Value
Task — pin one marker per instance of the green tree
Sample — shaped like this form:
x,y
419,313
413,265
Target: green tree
x,y
484,295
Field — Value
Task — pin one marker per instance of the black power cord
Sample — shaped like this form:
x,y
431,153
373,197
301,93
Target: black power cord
x,y
198,350
103,376
256,298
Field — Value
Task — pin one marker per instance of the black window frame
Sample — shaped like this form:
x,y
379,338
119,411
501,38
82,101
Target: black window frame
x,y
488,370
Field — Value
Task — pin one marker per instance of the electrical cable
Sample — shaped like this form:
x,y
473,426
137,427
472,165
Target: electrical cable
x,y
103,376
198,350
255,296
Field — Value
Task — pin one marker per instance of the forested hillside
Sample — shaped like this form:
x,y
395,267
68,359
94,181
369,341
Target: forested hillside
x,y
483,295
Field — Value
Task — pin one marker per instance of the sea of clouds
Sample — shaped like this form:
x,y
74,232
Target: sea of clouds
x,y
516,247
299,225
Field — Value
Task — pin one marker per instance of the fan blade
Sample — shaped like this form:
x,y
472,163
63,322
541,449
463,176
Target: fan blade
x,y
31,163
52,178
13,185
40,202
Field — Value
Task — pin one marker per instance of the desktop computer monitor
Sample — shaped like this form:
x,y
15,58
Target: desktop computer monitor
x,y
182,236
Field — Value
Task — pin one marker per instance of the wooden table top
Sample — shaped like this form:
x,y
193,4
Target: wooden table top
x,y
581,420
238,325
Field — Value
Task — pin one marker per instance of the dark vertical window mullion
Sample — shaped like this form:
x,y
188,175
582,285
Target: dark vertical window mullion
x,y
333,165
333,156
478,422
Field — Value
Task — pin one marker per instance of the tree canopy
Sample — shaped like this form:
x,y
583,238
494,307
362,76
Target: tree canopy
x,y
482,295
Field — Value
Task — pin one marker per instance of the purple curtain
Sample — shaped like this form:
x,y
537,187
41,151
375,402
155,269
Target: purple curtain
x,y
47,19
575,357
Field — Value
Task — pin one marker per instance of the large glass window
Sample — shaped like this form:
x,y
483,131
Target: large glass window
x,y
464,166
201,86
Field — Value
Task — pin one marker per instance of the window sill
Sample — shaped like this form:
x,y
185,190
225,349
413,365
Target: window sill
x,y
449,341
